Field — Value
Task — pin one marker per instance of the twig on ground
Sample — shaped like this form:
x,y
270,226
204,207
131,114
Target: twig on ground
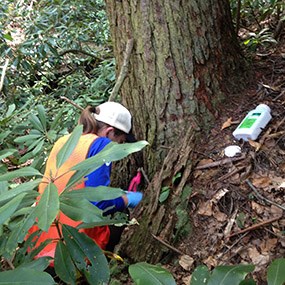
x,y
230,223
144,175
259,196
167,245
226,176
256,226
220,162
124,70
231,247
72,103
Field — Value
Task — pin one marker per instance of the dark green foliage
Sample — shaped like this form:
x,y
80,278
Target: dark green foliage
x,y
257,22
54,49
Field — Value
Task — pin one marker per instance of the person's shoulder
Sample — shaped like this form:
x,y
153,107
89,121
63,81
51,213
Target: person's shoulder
x,y
102,141
98,145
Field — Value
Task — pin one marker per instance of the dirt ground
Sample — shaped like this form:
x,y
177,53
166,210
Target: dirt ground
x,y
236,208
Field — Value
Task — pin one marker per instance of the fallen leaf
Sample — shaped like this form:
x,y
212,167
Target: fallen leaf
x,y
259,260
227,123
205,209
219,216
186,262
204,162
261,182
259,209
268,244
255,144
210,261
221,193
186,280
276,211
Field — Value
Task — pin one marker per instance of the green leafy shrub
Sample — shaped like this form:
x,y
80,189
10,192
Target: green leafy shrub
x,y
18,215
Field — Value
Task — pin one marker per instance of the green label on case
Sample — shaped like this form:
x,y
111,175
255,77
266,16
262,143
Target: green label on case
x,y
248,122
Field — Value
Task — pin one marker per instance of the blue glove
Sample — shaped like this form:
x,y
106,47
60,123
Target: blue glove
x,y
134,198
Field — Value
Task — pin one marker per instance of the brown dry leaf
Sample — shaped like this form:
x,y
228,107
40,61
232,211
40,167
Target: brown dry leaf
x,y
259,209
186,262
268,244
261,182
259,260
205,208
210,262
204,162
186,280
197,173
255,144
276,211
227,123
221,217
220,194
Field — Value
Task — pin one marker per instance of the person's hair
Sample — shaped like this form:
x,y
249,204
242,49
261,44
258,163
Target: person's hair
x,y
91,125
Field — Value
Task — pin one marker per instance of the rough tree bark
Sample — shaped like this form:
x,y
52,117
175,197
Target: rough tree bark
x,y
184,58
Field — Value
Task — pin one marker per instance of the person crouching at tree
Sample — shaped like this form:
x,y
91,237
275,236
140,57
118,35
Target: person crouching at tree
x,y
108,122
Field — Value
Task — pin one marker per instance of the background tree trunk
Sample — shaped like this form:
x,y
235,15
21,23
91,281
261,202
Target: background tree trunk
x,y
184,58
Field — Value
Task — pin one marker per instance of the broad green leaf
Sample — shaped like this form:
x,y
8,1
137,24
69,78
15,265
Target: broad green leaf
x,y
4,186
4,135
143,273
9,208
34,144
18,234
24,187
36,123
26,171
83,248
27,138
200,275
51,135
39,264
119,219
8,37
94,193
48,207
276,272
25,276
6,152
69,146
112,152
63,265
39,146
164,195
10,111
229,275
42,116
248,282
80,210
56,120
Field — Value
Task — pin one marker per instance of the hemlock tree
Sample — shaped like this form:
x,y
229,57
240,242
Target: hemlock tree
x,y
185,59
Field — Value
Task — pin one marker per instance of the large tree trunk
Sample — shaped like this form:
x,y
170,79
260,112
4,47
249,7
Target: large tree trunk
x,y
185,54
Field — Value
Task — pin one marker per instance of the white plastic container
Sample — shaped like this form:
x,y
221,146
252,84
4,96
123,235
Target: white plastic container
x,y
252,125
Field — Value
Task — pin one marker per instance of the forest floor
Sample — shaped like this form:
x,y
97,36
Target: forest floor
x,y
237,204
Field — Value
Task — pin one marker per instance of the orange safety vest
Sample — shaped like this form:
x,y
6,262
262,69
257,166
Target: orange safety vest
x,y
100,234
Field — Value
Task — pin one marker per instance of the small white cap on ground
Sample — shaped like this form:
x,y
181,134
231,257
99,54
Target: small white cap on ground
x,y
232,150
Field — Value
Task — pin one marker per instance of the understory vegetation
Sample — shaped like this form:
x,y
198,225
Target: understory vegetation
x,y
56,58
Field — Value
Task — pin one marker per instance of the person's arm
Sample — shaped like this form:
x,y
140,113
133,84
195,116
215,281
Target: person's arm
x,y
101,177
